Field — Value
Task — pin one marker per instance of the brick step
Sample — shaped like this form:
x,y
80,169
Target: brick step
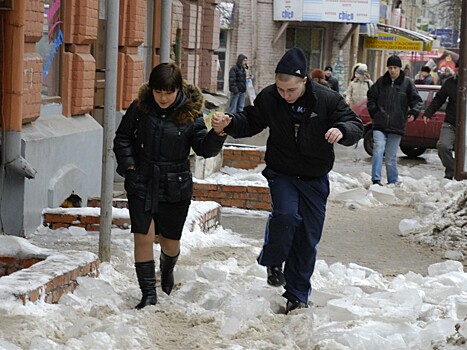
x,y
244,197
207,217
243,157
43,276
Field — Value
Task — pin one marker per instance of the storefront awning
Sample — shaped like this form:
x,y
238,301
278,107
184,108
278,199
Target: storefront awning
x,y
387,37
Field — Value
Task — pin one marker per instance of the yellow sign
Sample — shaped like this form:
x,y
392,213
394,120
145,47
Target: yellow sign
x,y
395,42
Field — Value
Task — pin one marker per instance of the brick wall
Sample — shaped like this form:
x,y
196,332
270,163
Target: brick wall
x,y
32,82
79,66
47,277
9,265
131,66
245,197
32,71
55,218
64,218
242,158
209,42
132,70
200,37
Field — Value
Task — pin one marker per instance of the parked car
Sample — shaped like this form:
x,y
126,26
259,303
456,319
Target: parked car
x,y
418,136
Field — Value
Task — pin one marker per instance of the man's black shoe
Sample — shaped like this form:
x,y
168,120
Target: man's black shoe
x,y
275,276
377,182
293,305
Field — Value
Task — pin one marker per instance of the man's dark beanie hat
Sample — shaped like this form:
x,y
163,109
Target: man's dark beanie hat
x,y
394,61
293,63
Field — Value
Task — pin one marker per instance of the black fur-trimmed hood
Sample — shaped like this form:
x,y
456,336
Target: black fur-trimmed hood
x,y
185,109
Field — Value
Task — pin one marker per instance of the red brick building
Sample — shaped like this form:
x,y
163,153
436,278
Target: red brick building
x,y
52,57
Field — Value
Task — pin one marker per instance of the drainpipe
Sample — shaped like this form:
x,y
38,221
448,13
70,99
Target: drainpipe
x,y
13,92
14,168
166,22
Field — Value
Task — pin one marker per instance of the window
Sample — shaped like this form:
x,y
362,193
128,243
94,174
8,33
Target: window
x,y
222,70
310,40
49,47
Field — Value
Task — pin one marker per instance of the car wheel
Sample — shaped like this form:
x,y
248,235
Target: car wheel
x,y
413,152
368,142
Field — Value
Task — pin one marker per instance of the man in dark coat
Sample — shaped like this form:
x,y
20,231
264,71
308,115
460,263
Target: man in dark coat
x,y
392,101
305,120
447,137
333,83
425,77
237,84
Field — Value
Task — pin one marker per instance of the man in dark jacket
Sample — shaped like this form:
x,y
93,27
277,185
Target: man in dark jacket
x,y
425,77
447,137
237,84
333,83
305,120
392,101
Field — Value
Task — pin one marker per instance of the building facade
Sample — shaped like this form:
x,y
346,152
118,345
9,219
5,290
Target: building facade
x,y
331,34
52,56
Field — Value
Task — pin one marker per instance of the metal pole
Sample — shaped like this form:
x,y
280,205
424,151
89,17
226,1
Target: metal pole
x,y
111,61
461,127
166,27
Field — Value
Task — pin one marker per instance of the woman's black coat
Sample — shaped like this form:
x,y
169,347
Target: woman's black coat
x,y
158,143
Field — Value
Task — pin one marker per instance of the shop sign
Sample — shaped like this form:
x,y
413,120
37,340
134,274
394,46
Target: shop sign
x,y
344,11
288,10
395,42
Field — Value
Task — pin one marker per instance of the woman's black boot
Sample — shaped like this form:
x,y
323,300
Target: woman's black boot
x,y
146,272
167,268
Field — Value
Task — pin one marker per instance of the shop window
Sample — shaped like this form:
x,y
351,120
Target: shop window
x,y
310,40
49,47
222,73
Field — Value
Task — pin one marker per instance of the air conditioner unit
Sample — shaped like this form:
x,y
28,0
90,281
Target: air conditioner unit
x,y
7,4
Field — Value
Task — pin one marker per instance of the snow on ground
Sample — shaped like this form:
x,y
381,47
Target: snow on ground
x,y
221,299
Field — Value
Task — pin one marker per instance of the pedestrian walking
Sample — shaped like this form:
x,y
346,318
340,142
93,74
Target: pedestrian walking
x,y
392,101
318,76
358,87
332,82
447,137
152,147
424,77
305,120
237,84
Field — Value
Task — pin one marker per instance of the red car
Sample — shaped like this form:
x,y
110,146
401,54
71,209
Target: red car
x,y
418,136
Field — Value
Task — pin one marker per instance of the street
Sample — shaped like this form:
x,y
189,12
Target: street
x,y
365,236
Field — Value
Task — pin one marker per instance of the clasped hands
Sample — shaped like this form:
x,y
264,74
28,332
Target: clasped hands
x,y
219,122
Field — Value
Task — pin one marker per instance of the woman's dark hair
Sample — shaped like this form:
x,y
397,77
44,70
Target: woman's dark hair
x,y
166,77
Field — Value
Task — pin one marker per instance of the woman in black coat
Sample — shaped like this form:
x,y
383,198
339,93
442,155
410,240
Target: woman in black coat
x,y
152,147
